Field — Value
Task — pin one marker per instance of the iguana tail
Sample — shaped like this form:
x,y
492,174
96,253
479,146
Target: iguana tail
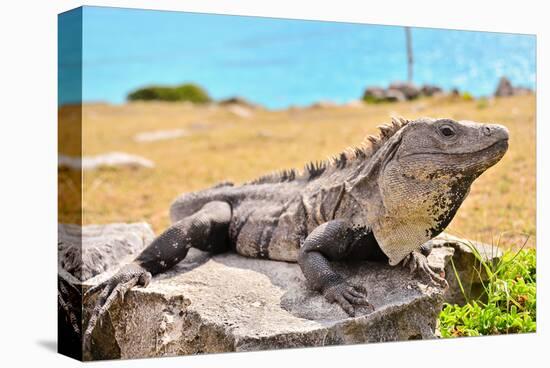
x,y
189,203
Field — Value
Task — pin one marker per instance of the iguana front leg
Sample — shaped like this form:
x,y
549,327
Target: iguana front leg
x,y
418,262
330,241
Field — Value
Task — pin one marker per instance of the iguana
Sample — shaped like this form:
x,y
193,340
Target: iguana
x,y
381,200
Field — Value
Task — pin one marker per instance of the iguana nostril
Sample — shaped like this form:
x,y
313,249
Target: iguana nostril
x,y
486,130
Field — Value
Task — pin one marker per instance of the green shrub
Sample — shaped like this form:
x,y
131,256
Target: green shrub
x,y
511,305
184,92
467,96
372,100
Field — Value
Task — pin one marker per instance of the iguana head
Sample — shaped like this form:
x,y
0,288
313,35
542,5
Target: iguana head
x,y
445,149
423,173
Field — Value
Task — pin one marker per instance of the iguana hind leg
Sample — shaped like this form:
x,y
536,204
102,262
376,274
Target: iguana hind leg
x,y
331,241
206,229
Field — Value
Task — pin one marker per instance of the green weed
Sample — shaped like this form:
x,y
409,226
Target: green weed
x,y
510,294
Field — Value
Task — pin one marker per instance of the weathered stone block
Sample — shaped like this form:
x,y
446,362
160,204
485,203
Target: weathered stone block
x,y
467,271
87,251
227,302
231,303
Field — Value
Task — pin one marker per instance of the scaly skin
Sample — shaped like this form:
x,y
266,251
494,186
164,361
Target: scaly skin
x,y
380,201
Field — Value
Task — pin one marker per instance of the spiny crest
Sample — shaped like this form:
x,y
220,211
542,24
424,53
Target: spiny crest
x,y
276,177
350,155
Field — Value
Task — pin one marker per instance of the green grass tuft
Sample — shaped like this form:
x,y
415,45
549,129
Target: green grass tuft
x,y
511,304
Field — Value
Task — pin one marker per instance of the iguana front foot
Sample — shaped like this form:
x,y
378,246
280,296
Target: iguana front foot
x,y
118,285
347,296
418,263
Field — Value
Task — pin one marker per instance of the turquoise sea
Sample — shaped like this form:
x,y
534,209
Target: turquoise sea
x,y
278,62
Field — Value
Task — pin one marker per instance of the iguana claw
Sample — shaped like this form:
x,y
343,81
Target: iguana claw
x,y
347,296
126,278
418,263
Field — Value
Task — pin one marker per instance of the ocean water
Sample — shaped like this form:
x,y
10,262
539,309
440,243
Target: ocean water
x,y
278,62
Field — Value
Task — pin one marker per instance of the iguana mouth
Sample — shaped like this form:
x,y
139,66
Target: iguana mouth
x,y
501,144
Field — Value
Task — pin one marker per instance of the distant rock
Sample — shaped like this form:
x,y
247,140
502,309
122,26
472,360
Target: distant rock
x,y
408,89
394,95
111,159
240,111
159,135
374,94
430,90
399,91
505,88
238,101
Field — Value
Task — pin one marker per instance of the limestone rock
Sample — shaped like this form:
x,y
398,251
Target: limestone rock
x,y
394,95
159,135
87,251
505,88
374,94
84,252
409,90
398,91
240,111
111,159
231,303
237,100
430,90
227,302
466,255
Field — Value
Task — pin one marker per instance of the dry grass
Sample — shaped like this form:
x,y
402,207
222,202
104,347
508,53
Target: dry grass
x,y
222,145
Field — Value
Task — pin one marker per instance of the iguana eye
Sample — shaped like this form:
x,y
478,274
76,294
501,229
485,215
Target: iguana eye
x,y
447,131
